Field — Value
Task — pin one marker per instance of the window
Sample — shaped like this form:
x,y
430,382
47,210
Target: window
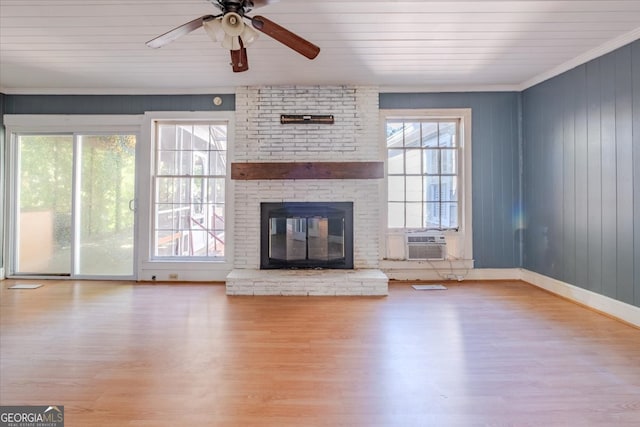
x,y
423,163
189,189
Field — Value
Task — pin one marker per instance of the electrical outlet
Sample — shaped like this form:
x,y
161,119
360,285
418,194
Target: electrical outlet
x,y
173,276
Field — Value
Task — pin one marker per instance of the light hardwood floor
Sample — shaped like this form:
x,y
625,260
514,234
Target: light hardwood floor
x,y
477,354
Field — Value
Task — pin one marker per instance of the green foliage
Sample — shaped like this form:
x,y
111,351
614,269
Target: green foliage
x,y
46,169
107,179
108,173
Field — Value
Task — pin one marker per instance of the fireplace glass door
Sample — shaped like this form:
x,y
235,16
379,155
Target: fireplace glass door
x,y
307,235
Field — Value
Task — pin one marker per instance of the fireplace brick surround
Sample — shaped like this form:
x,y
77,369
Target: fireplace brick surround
x,y
260,137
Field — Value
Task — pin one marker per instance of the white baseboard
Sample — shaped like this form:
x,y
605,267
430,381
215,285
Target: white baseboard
x,y
494,274
183,272
618,309
182,276
453,274
2,273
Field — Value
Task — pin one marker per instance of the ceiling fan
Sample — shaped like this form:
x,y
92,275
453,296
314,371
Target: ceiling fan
x,y
230,28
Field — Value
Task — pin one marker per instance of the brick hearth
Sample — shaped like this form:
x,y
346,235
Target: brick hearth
x,y
307,282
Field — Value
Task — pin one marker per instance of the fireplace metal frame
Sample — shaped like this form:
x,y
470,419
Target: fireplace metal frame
x,y
305,209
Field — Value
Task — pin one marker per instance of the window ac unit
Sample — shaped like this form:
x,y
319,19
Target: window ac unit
x,y
425,245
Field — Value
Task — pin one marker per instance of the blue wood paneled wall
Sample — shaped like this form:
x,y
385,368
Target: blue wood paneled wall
x,y
581,151
113,104
497,214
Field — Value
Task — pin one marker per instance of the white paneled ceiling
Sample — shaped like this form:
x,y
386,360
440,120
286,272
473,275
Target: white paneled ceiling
x,y
98,46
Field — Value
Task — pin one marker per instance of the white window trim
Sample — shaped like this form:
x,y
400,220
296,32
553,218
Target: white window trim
x,y
465,232
3,205
77,123
190,270
156,174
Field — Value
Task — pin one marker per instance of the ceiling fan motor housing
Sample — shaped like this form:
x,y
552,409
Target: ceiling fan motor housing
x,y
239,7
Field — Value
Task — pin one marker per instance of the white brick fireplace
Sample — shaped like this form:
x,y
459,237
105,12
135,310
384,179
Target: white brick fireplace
x,y
260,137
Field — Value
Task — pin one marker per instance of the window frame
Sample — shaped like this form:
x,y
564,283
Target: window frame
x,y
462,239
423,174
154,175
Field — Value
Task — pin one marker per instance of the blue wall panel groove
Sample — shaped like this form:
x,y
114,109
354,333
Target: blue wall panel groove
x,y
635,91
609,193
581,227
594,180
624,175
569,186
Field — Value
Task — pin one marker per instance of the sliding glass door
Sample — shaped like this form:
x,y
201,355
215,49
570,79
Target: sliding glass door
x,y
105,205
75,203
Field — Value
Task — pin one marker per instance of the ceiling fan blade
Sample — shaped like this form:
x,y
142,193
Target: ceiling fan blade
x,y
285,37
177,32
239,60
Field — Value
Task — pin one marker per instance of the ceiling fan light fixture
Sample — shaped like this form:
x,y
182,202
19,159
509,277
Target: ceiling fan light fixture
x,y
232,24
249,35
214,29
231,42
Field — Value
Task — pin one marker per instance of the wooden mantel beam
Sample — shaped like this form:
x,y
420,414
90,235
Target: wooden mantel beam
x,y
307,170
